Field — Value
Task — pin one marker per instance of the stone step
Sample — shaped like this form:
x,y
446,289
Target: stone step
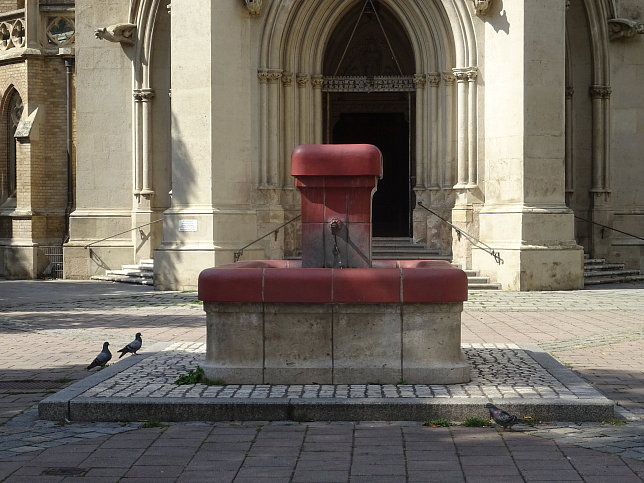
x,y
620,279
131,273
140,268
124,279
483,286
589,267
610,273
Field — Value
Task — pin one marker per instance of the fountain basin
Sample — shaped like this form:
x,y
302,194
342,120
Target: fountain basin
x,y
273,322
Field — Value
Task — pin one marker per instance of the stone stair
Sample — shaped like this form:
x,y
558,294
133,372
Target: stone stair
x,y
141,274
403,248
598,271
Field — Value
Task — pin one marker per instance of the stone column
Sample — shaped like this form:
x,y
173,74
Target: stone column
x,y
146,138
569,144
435,125
471,128
422,160
136,142
525,218
462,138
316,82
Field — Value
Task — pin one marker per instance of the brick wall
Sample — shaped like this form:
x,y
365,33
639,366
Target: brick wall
x,y
9,5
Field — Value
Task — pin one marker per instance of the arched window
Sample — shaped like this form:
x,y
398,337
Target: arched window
x,y
14,113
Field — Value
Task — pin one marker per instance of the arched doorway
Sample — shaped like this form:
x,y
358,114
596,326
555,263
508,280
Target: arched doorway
x,y
369,98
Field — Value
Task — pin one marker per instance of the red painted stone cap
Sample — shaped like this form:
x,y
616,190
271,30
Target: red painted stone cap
x,y
336,160
277,281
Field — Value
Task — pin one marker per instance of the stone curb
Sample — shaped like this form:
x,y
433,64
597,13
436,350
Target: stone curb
x,y
57,406
330,409
70,403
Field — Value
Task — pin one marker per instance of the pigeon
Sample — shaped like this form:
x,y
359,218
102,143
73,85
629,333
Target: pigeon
x,y
499,416
133,346
102,358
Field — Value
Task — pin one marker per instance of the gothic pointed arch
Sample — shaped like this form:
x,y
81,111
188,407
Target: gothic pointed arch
x,y
291,77
11,108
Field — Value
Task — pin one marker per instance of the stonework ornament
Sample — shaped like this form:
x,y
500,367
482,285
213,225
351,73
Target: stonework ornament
x,y
254,7
622,28
482,6
121,32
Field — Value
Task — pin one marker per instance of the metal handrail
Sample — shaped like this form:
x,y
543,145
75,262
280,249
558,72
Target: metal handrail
x,y
123,232
472,239
609,227
237,255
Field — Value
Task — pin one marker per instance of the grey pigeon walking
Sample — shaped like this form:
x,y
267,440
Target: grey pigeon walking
x,y
502,418
102,358
133,346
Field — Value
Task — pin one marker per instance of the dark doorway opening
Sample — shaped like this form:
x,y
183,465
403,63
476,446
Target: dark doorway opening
x,y
390,133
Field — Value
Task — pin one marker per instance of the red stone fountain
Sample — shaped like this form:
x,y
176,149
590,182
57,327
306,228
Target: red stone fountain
x,y
336,317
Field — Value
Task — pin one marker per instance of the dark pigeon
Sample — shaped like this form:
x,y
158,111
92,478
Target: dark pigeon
x,y
102,358
502,418
133,346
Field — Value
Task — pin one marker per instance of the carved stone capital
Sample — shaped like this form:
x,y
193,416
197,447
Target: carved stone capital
x,y
461,75
317,80
121,32
419,81
482,6
136,93
146,94
269,75
287,79
570,91
302,79
624,28
254,7
449,78
434,79
472,73
600,92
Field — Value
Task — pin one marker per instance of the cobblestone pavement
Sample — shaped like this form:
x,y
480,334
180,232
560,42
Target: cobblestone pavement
x,y
51,330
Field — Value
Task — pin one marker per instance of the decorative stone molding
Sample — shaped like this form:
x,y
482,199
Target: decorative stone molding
x,y
449,78
434,79
121,32
419,81
60,30
600,92
269,75
12,34
317,81
570,91
302,79
461,75
624,28
146,95
254,7
482,6
372,83
287,79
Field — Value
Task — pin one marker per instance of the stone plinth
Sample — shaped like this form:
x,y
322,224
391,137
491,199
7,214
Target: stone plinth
x,y
337,182
271,322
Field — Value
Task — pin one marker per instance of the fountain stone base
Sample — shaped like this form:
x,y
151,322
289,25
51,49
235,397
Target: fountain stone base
x,y
273,322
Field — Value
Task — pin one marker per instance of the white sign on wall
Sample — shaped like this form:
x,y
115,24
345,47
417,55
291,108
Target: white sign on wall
x,y
187,225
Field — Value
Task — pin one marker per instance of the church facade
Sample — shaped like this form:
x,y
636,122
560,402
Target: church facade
x,y
520,122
